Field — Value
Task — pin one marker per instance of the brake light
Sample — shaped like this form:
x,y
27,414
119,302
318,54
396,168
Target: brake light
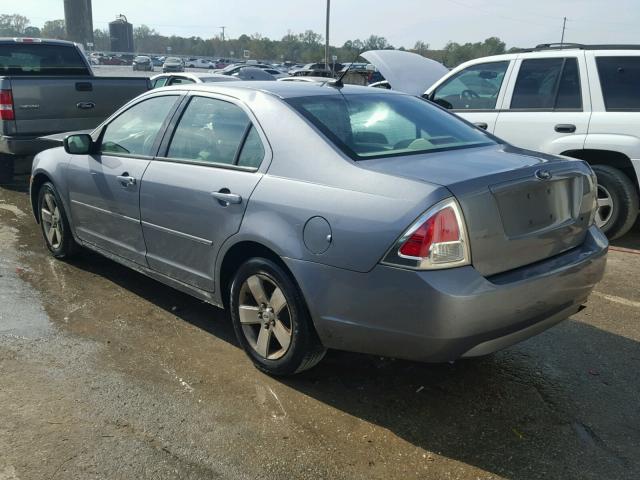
x,y
27,40
6,105
438,239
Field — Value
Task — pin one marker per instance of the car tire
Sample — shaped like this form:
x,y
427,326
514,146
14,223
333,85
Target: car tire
x,y
55,229
618,202
6,169
265,320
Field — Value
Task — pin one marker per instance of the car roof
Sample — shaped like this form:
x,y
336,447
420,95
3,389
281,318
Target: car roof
x,y
282,90
46,41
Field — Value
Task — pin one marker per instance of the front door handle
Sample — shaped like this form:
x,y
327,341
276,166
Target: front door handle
x,y
226,198
481,125
126,180
565,128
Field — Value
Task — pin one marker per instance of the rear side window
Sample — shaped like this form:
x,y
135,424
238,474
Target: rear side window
x,y
213,131
620,82
160,82
40,59
474,88
548,83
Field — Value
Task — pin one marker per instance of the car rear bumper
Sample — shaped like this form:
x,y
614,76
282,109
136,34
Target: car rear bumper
x,y
443,315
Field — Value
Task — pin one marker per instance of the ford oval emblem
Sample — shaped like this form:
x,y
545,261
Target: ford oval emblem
x,y
543,174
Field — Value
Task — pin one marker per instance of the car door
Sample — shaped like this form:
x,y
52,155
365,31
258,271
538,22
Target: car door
x,y
548,110
104,187
475,93
194,196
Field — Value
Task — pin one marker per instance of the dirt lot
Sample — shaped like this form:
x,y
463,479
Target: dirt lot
x,y
107,374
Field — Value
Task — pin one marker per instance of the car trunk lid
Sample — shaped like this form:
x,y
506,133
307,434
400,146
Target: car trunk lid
x,y
519,207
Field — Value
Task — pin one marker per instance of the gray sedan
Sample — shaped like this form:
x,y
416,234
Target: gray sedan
x,y
325,216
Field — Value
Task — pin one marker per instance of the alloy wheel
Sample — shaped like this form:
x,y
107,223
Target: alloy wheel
x,y
265,317
604,210
50,216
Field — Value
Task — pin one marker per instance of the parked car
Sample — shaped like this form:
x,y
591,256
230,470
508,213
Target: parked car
x,y
143,63
199,63
575,100
253,73
46,87
374,222
317,70
235,68
168,79
173,64
113,60
157,61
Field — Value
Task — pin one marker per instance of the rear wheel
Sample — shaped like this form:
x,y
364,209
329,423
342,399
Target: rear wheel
x,y
271,319
54,224
617,201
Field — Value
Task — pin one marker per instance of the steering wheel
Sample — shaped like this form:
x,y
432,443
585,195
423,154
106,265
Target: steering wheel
x,y
468,95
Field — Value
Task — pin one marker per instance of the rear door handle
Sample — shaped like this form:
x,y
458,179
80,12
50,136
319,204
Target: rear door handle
x,y
126,180
226,198
481,125
565,128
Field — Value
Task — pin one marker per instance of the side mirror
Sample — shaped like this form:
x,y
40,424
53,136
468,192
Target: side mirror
x,y
78,144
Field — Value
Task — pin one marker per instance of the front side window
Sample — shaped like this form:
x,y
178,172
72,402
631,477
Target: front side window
x,y
160,82
620,82
548,83
474,88
213,131
134,131
380,125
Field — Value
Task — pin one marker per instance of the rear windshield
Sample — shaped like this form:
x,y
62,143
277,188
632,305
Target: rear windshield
x,y
38,59
381,125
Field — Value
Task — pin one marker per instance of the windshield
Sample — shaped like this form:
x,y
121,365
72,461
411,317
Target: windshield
x,y
39,59
380,125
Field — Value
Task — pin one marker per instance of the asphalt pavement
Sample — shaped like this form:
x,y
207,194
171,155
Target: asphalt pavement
x,y
106,374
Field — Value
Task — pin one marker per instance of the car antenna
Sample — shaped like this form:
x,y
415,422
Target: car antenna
x,y
338,83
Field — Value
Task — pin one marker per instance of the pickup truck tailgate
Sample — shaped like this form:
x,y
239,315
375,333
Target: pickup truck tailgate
x,y
57,104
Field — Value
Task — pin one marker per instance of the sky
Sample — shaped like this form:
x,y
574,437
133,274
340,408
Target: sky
x,y
519,23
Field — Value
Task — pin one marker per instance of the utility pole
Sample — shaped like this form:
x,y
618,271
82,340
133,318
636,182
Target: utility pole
x,y
222,27
326,45
564,24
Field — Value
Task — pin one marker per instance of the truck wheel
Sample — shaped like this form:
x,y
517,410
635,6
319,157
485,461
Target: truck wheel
x,y
6,169
271,319
617,201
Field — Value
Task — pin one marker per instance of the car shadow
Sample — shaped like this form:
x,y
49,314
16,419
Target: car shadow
x,y
560,405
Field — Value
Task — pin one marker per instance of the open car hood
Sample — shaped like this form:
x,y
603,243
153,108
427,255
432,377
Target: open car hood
x,y
406,72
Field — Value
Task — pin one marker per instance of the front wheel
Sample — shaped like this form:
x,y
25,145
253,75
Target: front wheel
x,y
271,320
54,223
617,201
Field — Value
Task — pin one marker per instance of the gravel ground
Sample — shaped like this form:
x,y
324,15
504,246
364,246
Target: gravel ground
x,y
107,374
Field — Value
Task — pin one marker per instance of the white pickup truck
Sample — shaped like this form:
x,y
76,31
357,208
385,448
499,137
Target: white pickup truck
x,y
574,100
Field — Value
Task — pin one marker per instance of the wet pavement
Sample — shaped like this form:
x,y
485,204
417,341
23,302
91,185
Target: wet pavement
x,y
107,374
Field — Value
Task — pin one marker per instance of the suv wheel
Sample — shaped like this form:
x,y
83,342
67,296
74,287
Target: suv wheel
x,y
617,201
271,319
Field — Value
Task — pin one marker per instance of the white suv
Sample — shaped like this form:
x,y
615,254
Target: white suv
x,y
573,100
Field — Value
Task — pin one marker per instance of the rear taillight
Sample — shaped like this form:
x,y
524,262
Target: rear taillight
x,y
6,105
438,239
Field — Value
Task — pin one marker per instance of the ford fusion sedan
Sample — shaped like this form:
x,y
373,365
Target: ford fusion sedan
x,y
329,217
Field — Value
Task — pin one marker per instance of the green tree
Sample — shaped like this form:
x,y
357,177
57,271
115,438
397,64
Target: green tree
x,y
13,25
54,29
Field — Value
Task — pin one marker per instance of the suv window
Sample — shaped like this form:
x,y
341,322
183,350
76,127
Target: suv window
x,y
474,88
213,131
548,83
135,130
620,80
40,59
